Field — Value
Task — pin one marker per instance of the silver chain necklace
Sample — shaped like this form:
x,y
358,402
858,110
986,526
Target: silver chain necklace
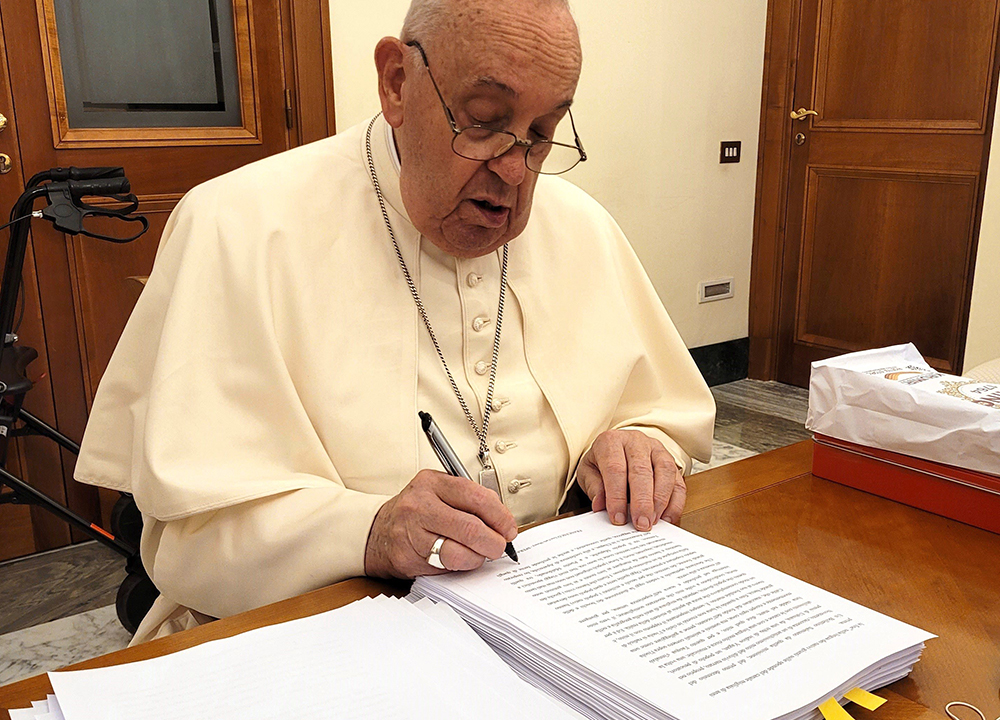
x,y
488,475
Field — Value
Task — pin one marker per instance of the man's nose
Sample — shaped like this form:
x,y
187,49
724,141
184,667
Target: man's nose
x,y
510,166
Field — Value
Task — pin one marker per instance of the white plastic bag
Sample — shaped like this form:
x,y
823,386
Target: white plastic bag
x,y
892,399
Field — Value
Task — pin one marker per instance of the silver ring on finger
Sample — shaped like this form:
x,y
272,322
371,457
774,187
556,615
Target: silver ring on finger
x,y
434,559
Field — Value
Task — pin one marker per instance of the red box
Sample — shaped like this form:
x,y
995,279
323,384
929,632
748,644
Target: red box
x,y
964,495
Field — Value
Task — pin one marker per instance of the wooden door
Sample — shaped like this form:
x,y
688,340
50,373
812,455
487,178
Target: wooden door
x,y
868,210
176,92
18,524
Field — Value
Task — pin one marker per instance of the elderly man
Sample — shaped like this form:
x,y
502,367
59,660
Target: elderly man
x,y
262,403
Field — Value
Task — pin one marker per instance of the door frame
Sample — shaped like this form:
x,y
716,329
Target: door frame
x,y
307,37
781,51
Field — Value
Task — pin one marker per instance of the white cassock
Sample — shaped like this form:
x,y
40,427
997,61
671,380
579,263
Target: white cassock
x,y
262,403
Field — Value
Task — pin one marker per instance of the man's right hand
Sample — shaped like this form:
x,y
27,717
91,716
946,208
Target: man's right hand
x,y
473,521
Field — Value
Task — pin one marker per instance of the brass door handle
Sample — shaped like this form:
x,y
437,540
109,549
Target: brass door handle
x,y
5,163
802,114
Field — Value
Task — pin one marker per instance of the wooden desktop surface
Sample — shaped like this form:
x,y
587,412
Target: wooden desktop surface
x,y
938,574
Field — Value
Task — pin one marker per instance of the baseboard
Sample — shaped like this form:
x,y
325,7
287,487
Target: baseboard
x,y
723,362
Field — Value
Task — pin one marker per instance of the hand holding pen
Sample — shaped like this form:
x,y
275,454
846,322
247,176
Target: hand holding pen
x,y
453,465
469,519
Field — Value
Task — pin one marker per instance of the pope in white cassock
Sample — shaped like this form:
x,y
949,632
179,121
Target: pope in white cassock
x,y
262,403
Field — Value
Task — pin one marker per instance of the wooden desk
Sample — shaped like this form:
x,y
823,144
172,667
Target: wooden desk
x,y
937,574
934,573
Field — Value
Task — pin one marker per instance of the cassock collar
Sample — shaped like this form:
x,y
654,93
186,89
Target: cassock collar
x,y
386,165
390,141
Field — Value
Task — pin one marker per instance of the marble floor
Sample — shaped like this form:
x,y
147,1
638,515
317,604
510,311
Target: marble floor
x,y
57,608
754,416
57,584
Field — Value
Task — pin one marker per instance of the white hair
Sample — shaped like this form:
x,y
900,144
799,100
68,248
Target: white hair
x,y
426,17
423,18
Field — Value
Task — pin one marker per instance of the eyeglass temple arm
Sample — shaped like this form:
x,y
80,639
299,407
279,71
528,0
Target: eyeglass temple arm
x,y
447,110
576,136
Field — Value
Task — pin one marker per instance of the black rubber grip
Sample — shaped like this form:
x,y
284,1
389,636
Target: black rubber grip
x,y
101,186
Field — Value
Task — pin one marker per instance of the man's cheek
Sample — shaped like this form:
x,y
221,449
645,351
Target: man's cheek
x,y
520,219
463,213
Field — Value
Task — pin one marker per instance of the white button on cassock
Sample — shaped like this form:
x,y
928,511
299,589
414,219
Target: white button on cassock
x,y
515,485
482,368
499,403
479,323
503,446
473,279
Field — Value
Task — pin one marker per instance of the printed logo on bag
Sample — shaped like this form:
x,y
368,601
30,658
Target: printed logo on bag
x,y
987,394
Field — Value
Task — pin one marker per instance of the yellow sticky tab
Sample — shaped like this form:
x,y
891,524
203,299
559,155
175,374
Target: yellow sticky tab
x,y
864,698
832,711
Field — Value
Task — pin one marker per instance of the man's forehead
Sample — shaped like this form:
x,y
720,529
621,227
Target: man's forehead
x,y
514,73
511,51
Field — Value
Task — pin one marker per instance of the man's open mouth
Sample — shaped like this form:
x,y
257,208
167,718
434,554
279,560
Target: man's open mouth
x,y
490,215
489,206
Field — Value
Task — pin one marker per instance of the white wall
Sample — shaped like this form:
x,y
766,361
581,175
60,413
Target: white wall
x,y
663,83
355,28
983,342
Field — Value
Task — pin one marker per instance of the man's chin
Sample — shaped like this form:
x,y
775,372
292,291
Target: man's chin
x,y
469,240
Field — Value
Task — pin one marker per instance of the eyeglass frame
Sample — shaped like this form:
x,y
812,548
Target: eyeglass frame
x,y
518,142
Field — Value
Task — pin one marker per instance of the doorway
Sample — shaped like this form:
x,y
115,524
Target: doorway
x,y
875,132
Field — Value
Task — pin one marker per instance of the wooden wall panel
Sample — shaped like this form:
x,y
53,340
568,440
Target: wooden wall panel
x,y
866,47
15,531
41,460
884,256
16,537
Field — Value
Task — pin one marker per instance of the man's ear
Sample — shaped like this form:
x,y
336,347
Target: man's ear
x,y
391,66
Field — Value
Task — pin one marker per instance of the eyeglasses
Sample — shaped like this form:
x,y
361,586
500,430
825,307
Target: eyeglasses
x,y
476,142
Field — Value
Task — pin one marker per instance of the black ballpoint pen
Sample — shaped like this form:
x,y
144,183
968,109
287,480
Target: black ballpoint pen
x,y
451,462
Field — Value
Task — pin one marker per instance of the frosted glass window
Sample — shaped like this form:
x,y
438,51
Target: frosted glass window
x,y
142,64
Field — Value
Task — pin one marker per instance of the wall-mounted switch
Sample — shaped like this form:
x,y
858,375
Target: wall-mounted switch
x,y
730,152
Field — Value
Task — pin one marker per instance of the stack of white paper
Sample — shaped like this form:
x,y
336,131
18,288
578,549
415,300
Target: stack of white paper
x,y
383,657
622,624
47,709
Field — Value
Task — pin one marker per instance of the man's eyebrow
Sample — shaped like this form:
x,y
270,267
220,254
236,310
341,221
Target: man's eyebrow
x,y
489,81
492,82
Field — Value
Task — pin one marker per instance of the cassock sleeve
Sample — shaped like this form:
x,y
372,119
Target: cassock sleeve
x,y
199,418
666,396
244,556
663,394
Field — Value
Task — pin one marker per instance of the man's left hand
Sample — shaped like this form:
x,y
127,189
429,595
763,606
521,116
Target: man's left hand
x,y
628,472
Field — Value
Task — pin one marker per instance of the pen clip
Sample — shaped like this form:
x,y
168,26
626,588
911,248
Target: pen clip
x,y
444,460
